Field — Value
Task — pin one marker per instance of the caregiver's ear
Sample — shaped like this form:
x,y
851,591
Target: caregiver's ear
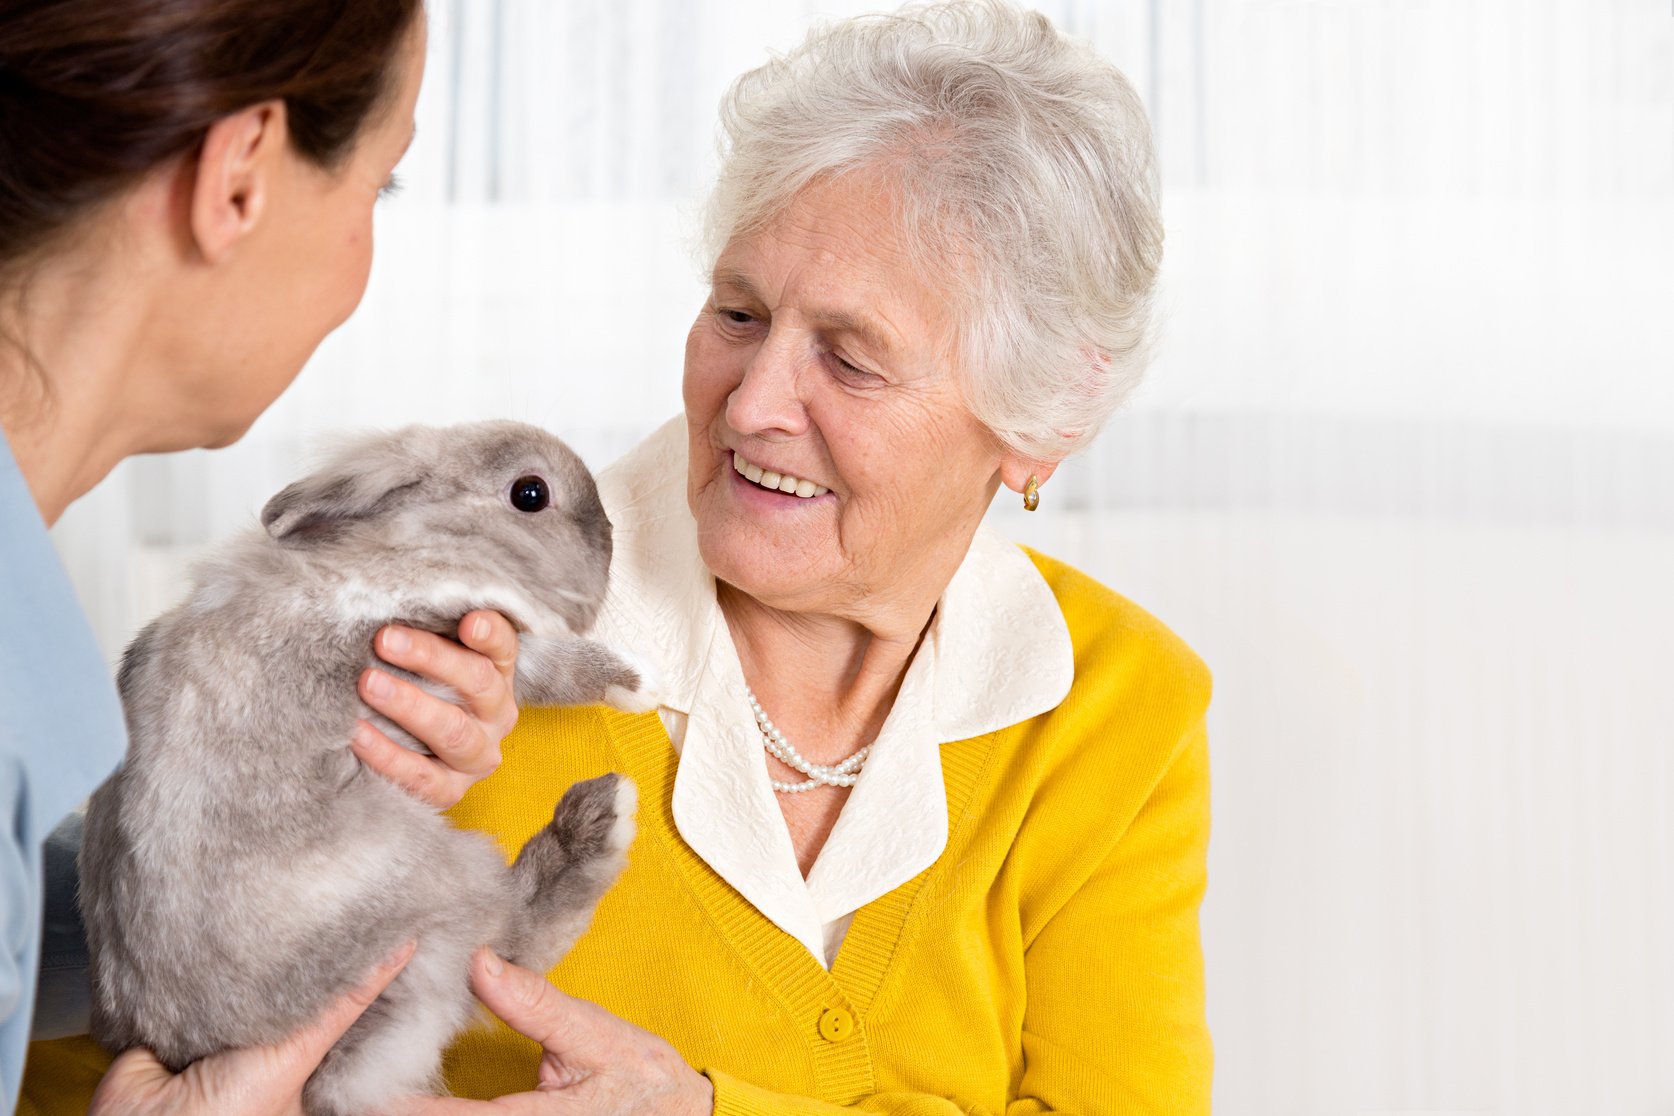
x,y
241,155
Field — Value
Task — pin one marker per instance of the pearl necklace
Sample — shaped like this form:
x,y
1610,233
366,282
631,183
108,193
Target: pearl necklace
x,y
819,775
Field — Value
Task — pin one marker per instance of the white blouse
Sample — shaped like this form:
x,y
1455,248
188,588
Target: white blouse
x,y
997,652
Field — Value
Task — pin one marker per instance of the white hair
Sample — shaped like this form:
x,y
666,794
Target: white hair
x,y
1005,141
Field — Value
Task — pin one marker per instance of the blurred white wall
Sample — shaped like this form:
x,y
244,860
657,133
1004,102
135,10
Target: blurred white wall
x,y
1404,473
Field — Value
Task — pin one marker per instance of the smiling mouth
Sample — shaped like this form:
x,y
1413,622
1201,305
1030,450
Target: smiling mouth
x,y
777,482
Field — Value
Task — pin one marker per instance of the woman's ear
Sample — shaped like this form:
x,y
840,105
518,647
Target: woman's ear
x,y
1015,471
240,156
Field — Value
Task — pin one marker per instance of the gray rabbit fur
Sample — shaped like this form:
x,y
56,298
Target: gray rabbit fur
x,y
243,869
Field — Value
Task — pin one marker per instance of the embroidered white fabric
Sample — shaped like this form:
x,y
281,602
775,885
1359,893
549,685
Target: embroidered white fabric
x,y
997,652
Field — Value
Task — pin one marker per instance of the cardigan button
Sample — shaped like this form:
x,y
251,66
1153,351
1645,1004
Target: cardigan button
x,y
836,1024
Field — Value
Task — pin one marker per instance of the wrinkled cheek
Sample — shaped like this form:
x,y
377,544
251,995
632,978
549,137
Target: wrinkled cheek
x,y
700,477
703,403
903,523
696,388
713,377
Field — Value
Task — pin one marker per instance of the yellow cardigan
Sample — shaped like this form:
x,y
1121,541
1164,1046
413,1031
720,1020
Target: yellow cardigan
x,y
1048,961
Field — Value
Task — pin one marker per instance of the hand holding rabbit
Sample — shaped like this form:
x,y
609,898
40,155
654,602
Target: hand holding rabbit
x,y
464,740
593,1063
254,1081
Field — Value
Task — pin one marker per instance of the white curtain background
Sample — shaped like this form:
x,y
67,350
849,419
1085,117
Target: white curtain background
x,y
1403,474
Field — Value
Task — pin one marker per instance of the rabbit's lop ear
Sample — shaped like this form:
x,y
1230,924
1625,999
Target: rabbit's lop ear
x,y
316,507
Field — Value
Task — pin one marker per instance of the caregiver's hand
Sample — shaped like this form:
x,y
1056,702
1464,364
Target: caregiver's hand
x,y
256,1081
593,1062
466,740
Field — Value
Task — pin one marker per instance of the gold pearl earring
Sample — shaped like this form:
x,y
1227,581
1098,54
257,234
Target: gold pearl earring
x,y
1031,493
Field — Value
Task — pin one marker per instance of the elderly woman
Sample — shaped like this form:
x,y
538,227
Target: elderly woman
x,y
924,815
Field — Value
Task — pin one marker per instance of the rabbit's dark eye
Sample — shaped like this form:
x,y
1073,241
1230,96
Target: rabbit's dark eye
x,y
529,494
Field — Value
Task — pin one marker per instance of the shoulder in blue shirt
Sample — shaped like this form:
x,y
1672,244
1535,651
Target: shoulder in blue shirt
x,y
61,733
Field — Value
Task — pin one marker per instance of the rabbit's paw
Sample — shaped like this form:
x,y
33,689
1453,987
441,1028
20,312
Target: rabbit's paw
x,y
637,689
595,818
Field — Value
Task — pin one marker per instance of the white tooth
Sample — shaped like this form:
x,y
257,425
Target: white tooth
x,y
752,471
769,479
805,488
737,463
820,490
787,484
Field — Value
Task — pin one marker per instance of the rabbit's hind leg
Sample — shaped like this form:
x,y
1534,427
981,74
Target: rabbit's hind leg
x,y
394,1049
567,867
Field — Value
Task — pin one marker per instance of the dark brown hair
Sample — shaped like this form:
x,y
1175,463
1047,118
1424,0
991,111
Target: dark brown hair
x,y
95,93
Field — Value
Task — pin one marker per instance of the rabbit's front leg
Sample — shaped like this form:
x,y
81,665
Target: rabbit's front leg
x,y
581,672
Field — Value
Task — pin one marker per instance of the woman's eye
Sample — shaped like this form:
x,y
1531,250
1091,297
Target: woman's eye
x,y
854,371
390,188
737,317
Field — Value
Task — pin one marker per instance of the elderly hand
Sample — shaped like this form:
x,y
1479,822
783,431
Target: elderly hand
x,y
257,1081
466,740
594,1063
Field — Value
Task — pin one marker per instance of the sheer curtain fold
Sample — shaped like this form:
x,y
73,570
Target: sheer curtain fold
x,y
1403,473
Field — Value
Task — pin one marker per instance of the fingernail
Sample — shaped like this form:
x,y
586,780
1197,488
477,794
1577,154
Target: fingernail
x,y
479,628
397,640
362,737
381,684
491,963
404,954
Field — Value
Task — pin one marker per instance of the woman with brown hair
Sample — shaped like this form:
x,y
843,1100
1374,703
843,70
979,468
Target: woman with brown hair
x,y
186,195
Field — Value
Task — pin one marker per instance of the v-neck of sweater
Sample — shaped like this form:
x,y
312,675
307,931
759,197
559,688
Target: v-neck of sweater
x,y
806,988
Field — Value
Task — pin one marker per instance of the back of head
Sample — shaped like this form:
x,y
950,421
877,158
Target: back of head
x,y
1018,159
98,93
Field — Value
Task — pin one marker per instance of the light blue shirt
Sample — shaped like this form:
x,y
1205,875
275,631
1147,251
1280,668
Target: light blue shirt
x,y
61,733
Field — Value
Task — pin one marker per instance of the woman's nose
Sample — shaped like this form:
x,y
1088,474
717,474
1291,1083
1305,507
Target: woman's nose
x,y
769,400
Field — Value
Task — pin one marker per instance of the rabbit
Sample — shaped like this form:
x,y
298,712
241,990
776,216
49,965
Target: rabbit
x,y
242,869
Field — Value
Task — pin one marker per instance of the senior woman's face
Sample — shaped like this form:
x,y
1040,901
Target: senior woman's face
x,y
823,357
